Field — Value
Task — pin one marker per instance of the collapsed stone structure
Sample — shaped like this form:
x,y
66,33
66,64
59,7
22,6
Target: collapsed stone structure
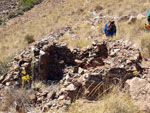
x,y
81,72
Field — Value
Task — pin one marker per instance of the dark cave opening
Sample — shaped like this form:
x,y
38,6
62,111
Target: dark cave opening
x,y
51,65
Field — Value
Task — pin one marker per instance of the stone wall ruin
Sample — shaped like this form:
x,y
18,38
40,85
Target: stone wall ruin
x,y
81,72
47,60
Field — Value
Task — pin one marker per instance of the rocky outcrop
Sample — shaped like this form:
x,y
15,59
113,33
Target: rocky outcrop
x,y
79,73
7,6
140,91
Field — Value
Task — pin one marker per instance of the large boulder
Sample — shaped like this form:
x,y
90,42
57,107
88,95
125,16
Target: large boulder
x,y
132,20
140,17
139,90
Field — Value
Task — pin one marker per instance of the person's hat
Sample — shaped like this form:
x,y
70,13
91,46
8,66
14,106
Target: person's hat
x,y
112,22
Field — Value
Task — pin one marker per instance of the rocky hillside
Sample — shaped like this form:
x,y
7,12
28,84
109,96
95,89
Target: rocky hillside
x,y
13,8
86,18
70,75
7,6
76,60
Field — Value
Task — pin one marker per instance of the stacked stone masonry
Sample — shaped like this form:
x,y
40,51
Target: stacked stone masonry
x,y
74,73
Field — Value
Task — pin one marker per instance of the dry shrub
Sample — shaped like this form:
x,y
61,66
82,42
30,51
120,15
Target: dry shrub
x,y
5,65
116,101
38,85
15,100
79,43
11,15
75,43
145,42
29,38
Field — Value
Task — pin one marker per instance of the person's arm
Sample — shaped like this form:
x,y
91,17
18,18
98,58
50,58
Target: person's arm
x,y
148,17
115,30
149,13
105,27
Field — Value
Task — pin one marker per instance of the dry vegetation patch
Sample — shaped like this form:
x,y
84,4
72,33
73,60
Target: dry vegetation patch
x,y
54,14
15,101
51,15
116,101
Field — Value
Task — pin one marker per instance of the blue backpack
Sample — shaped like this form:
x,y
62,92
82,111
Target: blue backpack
x,y
148,17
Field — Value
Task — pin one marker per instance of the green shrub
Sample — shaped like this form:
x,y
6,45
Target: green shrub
x,y
11,15
26,5
37,1
1,21
19,12
29,38
25,8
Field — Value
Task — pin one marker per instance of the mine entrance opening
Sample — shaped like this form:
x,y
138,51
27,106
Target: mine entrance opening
x,y
52,64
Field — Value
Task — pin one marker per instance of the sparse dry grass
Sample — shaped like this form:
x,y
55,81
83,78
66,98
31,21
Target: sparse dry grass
x,y
5,65
16,101
38,85
145,42
116,101
51,15
29,38
54,14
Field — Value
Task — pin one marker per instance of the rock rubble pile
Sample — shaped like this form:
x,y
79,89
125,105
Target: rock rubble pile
x,y
7,6
79,73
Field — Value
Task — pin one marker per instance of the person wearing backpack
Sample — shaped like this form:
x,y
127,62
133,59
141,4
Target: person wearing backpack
x,y
110,28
